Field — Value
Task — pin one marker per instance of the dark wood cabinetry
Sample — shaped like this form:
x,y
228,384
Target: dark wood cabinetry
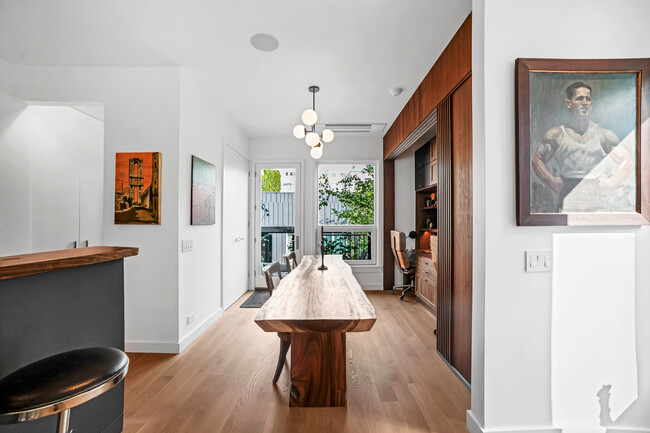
x,y
426,280
426,165
426,222
444,168
454,302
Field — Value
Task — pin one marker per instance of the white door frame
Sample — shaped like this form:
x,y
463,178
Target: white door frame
x,y
257,196
223,210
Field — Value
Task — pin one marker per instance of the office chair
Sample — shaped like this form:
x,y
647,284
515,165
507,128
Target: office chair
x,y
398,245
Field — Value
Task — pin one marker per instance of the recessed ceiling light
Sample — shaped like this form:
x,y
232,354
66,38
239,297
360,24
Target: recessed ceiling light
x,y
264,42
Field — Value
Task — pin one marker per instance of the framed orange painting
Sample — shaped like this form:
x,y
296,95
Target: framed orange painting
x,y
137,188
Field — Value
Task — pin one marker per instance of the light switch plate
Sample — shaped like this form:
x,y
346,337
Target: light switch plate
x,y
539,261
187,245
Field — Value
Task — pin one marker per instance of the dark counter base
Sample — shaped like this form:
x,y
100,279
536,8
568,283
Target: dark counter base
x,y
53,312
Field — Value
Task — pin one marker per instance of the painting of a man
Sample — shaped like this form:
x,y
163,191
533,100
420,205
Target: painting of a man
x,y
578,164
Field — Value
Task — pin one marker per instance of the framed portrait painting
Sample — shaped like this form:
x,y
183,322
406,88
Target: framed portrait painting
x,y
582,137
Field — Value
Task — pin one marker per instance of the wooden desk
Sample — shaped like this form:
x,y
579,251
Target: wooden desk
x,y
318,308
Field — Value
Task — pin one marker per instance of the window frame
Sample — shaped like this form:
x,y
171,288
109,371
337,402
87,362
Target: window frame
x,y
374,229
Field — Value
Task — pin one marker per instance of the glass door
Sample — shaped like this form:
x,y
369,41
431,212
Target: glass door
x,y
277,216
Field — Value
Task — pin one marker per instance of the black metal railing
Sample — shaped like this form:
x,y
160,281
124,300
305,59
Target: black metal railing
x,y
351,245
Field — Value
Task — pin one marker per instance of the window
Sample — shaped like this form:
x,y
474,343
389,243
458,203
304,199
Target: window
x,y
347,210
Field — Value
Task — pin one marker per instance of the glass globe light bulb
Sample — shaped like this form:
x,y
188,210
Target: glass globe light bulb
x,y
312,139
309,117
316,152
327,135
299,131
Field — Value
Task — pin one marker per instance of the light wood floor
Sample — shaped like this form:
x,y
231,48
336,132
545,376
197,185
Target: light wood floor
x,y
222,382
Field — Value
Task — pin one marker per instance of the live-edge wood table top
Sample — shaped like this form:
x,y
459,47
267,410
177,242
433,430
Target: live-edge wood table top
x,y
309,300
36,263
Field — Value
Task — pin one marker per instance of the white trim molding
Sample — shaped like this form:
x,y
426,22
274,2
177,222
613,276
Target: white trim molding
x,y
150,347
189,338
475,427
167,347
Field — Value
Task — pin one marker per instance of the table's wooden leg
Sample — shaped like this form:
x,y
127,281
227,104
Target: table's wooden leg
x,y
318,374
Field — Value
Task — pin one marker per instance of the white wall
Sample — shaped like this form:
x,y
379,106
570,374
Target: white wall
x,y
291,149
14,165
141,114
146,109
48,157
512,376
203,131
405,200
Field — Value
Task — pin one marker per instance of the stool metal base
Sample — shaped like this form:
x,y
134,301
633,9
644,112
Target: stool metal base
x,y
64,422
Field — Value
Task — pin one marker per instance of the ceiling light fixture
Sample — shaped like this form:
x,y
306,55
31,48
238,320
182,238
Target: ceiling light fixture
x,y
312,138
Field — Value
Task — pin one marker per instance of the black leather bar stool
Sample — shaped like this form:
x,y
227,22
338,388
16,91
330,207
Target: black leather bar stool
x,y
59,383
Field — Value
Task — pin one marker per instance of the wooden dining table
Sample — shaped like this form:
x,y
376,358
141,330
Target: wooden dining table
x,y
318,307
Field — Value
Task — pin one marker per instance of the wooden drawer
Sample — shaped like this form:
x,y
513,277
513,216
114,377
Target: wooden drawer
x,y
427,291
426,281
425,268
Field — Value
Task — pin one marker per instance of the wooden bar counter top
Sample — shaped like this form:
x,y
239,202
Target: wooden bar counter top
x,y
36,263
318,308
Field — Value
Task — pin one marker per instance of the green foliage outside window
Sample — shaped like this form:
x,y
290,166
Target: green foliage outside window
x,y
271,181
356,193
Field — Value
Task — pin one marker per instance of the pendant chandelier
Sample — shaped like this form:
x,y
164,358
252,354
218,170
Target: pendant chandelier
x,y
312,138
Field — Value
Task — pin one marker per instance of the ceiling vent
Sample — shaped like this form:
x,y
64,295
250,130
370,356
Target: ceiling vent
x,y
358,128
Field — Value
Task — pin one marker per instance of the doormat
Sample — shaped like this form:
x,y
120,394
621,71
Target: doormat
x,y
256,299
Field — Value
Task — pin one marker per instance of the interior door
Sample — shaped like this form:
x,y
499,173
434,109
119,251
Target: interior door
x,y
277,215
234,254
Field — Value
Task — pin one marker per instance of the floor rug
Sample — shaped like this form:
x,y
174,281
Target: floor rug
x,y
256,299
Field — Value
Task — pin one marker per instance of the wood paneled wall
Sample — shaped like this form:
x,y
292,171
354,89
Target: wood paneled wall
x,y
451,68
447,86
462,210
453,65
445,230
389,222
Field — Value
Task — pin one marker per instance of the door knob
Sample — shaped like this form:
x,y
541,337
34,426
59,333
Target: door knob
x,y
239,238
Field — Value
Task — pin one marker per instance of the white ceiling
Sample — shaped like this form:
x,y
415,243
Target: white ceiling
x,y
355,50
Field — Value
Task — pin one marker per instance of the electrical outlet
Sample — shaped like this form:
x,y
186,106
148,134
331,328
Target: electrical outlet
x,y
187,245
538,261
190,318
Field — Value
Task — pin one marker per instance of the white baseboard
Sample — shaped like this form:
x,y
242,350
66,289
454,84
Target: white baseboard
x,y
474,427
372,286
189,339
472,424
166,347
614,429
150,347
